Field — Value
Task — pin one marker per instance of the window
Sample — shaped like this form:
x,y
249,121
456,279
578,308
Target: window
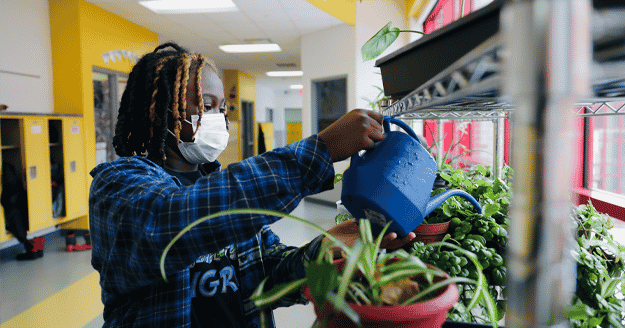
x,y
601,149
329,102
445,12
605,165
465,142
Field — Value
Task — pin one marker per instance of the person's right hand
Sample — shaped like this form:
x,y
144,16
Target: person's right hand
x,y
357,130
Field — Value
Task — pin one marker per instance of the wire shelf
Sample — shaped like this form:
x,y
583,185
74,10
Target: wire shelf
x,y
471,89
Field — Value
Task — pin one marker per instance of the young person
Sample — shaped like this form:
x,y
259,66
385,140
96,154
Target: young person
x,y
170,129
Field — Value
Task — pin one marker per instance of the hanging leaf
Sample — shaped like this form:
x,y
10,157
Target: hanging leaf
x,y
337,178
379,42
322,278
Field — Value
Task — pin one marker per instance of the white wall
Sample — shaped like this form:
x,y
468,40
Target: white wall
x,y
25,56
336,52
371,16
327,54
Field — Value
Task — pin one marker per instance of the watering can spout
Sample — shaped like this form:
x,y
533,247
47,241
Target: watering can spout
x,y
439,199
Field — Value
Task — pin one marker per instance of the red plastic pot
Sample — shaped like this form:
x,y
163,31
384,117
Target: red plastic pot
x,y
429,313
429,233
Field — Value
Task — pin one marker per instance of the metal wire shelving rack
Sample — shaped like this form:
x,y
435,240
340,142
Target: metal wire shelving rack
x,y
471,90
560,78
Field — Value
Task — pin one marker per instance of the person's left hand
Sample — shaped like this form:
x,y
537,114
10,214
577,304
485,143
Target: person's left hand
x,y
347,232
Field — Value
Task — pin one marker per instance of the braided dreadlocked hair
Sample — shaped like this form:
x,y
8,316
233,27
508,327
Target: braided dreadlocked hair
x,y
157,82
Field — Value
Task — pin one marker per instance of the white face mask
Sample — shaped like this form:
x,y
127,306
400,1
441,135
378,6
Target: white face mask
x,y
210,140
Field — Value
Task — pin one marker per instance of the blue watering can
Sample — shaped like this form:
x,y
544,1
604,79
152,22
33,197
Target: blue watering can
x,y
393,182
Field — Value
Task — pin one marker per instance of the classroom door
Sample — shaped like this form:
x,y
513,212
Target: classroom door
x,y
293,117
248,124
108,87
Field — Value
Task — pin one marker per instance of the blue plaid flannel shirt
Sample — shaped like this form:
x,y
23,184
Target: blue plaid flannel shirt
x,y
136,208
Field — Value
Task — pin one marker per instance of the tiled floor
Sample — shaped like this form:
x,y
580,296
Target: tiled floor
x,y
28,289
53,283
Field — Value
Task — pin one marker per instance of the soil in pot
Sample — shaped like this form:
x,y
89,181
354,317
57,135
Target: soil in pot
x,y
429,313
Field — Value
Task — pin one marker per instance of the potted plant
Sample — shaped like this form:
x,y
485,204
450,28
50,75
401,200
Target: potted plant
x,y
377,289
598,299
484,234
367,280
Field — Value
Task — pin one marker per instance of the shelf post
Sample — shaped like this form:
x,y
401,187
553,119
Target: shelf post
x,y
547,46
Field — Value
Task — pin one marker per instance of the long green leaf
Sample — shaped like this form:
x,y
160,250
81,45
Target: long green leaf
x,y
321,279
350,268
243,211
378,241
397,275
263,299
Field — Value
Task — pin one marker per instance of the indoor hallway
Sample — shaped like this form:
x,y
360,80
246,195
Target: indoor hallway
x,y
62,289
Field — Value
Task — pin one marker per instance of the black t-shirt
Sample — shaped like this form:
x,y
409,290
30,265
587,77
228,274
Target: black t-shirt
x,y
215,289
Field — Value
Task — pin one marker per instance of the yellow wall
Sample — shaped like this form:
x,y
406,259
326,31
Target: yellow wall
x,y
80,33
244,89
343,10
416,7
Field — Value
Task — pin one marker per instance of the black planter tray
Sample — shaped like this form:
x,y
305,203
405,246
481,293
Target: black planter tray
x,y
412,65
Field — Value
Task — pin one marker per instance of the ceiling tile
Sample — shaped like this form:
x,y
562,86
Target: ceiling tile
x,y
298,5
308,15
278,16
271,24
282,21
233,18
264,5
194,20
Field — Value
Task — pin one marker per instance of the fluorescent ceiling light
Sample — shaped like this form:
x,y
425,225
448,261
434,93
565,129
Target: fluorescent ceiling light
x,y
189,6
297,86
253,47
285,73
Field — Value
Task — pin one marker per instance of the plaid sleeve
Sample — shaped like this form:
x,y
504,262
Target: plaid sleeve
x,y
287,263
136,208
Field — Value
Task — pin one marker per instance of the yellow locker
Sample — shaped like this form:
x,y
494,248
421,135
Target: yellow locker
x,y
11,151
4,236
75,193
36,154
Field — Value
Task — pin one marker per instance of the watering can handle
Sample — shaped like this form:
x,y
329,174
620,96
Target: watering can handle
x,y
439,199
390,119
387,127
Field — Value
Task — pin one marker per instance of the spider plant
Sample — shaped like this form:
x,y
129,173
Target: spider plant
x,y
327,284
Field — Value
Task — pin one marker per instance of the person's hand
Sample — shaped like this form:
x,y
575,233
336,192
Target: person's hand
x,y
357,130
347,232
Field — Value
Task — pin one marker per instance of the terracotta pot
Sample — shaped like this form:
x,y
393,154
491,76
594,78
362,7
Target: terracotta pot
x,y
429,233
429,313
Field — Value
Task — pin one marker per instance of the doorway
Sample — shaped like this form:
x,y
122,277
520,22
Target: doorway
x,y
293,118
108,87
247,133
329,102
